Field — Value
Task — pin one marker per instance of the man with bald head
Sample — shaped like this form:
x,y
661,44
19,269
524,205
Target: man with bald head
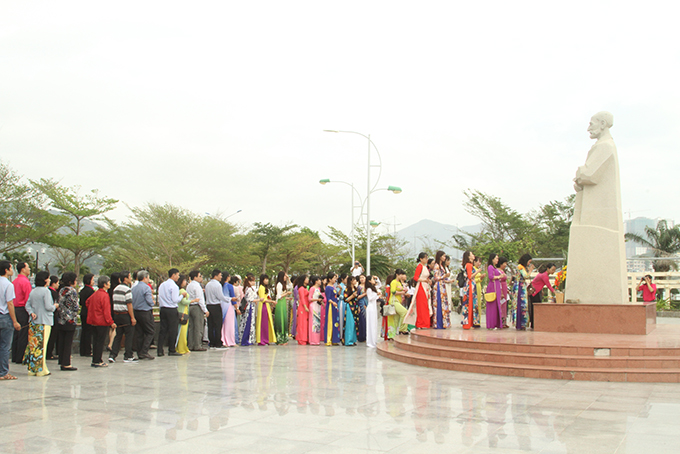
x,y
597,260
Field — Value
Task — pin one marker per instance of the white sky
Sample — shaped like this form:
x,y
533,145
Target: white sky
x,y
220,105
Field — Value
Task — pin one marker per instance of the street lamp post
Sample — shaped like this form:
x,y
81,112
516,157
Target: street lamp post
x,y
326,181
369,190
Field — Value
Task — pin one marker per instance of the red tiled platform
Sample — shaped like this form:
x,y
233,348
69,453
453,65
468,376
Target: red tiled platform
x,y
568,356
595,318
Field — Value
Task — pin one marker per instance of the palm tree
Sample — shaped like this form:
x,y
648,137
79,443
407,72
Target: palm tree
x,y
663,242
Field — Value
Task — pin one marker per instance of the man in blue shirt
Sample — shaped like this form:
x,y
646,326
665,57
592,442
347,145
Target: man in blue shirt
x,y
168,299
8,320
142,304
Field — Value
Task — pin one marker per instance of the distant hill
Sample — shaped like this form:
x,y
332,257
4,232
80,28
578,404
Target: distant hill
x,y
427,234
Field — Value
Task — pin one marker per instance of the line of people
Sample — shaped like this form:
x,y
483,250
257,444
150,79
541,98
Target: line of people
x,y
509,296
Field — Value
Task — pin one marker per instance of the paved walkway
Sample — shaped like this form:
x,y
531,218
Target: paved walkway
x,y
325,400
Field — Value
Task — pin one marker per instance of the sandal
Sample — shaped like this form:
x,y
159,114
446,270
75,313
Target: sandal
x,y
99,365
8,377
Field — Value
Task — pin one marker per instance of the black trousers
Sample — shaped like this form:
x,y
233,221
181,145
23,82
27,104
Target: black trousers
x,y
85,334
64,343
215,325
123,328
98,339
20,338
52,342
537,298
168,332
144,332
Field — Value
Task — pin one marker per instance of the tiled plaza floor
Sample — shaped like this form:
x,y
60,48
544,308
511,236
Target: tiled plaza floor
x,y
294,399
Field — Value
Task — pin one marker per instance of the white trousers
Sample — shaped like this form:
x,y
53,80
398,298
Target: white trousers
x,y
371,325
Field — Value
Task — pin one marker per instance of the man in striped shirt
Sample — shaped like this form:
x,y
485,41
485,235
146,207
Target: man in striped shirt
x,y
124,318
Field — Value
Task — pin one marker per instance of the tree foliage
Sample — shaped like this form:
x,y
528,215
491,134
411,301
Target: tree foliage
x,y
160,237
543,232
81,234
386,250
23,217
662,240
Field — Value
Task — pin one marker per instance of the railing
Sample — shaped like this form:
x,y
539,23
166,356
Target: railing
x,y
665,282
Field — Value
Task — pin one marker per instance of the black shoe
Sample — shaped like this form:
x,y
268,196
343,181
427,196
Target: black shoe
x,y
70,368
145,357
159,354
174,354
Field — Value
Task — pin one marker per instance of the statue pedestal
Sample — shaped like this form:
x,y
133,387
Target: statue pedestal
x,y
595,318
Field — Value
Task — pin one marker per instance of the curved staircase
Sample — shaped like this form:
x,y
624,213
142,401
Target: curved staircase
x,y
565,356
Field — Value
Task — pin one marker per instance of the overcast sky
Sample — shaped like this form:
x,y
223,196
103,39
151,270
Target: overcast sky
x,y
220,106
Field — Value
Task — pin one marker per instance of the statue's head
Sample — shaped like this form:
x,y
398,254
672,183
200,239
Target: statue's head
x,y
600,123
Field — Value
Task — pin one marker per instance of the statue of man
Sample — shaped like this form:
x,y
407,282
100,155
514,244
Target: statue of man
x,y
597,260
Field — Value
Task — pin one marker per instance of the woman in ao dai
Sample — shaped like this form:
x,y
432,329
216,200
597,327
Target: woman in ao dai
x,y
265,322
441,312
247,325
302,328
371,313
315,308
350,303
281,309
493,308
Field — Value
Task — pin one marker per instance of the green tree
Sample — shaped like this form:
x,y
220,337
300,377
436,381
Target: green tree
x,y
159,237
23,217
543,232
386,251
266,238
82,235
662,240
21,256
298,251
553,222
504,230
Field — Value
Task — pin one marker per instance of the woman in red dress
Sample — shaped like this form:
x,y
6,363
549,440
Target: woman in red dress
x,y
420,312
302,328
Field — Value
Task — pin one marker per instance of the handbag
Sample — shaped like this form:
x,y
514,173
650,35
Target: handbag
x,y
183,318
489,297
388,310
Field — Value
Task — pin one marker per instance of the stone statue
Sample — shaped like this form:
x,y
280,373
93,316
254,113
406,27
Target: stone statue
x,y
597,258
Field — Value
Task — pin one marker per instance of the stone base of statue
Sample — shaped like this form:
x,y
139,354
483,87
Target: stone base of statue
x,y
595,318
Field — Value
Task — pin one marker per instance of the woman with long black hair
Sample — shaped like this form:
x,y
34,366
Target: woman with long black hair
x,y
371,313
281,309
419,312
493,295
66,316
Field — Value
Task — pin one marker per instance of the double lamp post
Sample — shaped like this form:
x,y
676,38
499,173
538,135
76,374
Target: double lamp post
x,y
369,190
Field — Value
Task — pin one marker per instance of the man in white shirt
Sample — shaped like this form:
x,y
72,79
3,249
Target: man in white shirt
x,y
357,269
8,320
168,299
197,312
214,297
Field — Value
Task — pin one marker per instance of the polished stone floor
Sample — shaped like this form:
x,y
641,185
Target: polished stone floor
x,y
325,400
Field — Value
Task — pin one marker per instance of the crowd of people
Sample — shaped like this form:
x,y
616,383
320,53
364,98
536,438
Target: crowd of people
x,y
37,322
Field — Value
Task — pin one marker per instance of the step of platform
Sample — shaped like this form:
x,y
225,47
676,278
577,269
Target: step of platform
x,y
555,348
393,351
587,360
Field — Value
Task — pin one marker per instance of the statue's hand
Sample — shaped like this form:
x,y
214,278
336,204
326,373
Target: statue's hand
x,y
577,185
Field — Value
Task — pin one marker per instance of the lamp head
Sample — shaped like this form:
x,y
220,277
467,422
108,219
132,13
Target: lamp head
x,y
394,189
324,181
330,130
374,224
